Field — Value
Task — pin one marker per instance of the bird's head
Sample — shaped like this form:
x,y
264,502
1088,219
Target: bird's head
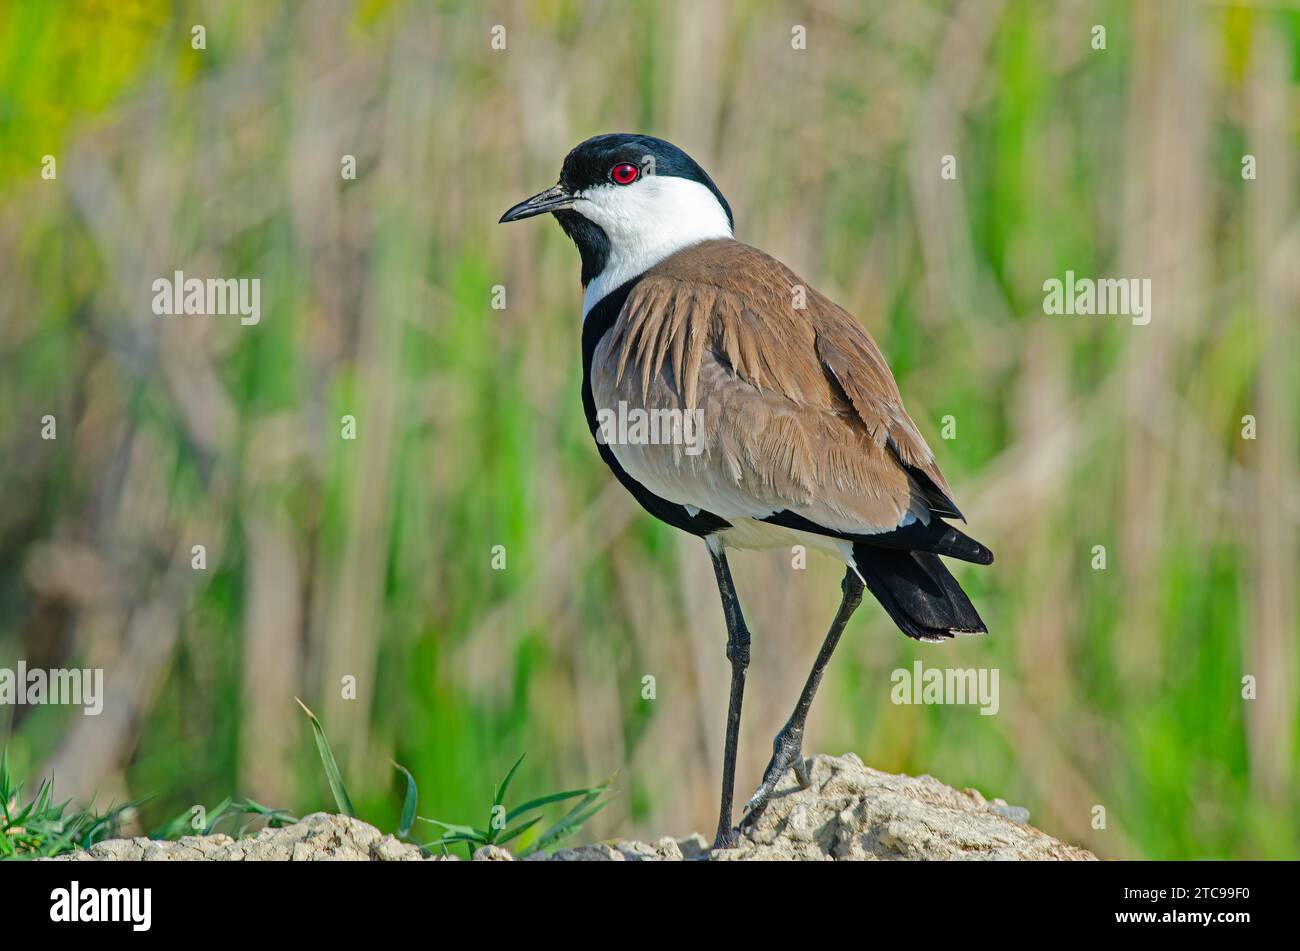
x,y
629,201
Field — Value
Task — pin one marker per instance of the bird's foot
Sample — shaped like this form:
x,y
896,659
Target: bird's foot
x,y
787,753
725,839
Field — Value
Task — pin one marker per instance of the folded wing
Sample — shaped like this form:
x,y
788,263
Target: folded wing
x,y
800,417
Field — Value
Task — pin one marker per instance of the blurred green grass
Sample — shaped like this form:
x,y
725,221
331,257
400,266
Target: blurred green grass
x,y
371,559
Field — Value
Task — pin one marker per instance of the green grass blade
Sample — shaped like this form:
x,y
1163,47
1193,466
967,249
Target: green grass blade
x,y
459,830
510,834
408,804
6,782
341,797
570,825
497,799
541,801
575,818
215,815
443,841
505,783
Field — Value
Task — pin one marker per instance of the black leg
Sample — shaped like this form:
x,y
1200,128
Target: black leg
x,y
738,654
787,748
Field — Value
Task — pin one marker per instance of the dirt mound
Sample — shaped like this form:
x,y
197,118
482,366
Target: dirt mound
x,y
849,812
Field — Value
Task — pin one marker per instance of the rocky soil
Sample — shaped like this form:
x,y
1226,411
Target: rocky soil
x,y
849,812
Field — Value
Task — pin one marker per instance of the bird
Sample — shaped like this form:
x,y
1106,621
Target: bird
x,y
797,431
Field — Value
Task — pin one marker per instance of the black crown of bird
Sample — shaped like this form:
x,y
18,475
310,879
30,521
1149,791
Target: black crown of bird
x,y
804,437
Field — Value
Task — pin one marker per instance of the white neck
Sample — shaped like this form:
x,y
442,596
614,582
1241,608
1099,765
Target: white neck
x,y
645,223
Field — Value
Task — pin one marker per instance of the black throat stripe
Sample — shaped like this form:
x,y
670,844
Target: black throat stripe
x,y
598,322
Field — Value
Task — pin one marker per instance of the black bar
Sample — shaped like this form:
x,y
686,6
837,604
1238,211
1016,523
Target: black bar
x,y
224,900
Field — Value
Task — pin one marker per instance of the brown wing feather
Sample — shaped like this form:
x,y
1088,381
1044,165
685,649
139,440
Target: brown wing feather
x,y
800,409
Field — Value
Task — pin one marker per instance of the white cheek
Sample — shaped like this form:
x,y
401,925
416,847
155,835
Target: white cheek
x,y
646,222
612,210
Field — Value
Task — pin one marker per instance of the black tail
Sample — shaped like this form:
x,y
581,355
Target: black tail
x,y
919,593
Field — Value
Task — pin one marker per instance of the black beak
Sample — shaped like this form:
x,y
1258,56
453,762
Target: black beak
x,y
554,198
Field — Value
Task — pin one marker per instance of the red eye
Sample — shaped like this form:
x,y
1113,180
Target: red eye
x,y
624,174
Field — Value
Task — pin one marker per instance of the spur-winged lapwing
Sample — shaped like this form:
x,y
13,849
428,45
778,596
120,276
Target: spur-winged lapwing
x,y
799,432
